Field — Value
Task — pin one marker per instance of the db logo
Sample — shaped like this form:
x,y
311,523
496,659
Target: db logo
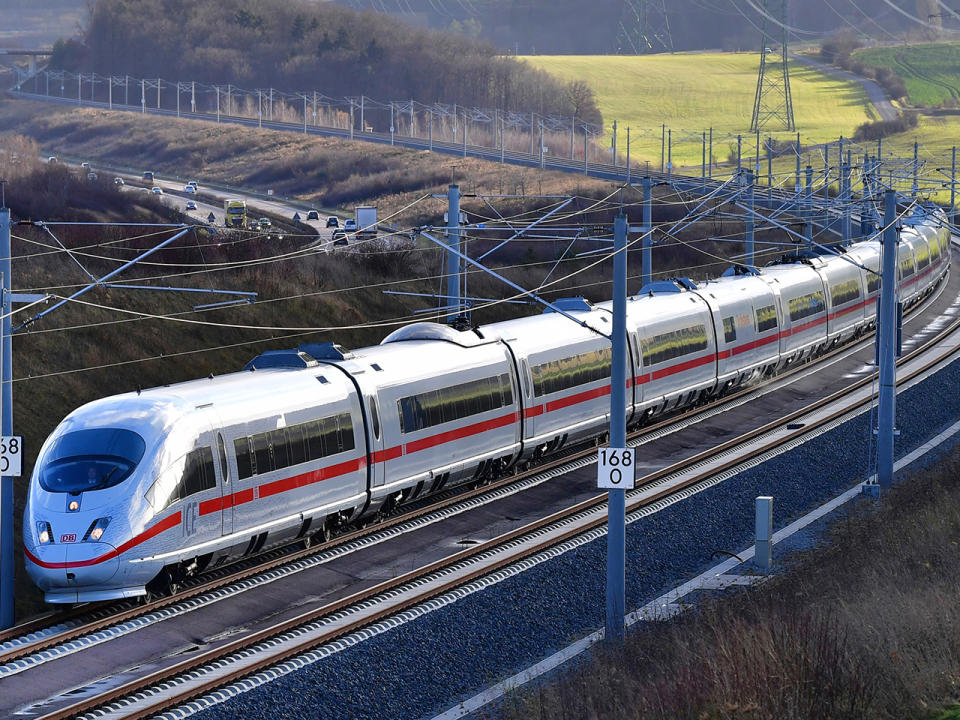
x,y
68,538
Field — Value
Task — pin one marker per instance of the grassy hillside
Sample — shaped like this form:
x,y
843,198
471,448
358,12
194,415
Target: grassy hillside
x,y
931,72
691,93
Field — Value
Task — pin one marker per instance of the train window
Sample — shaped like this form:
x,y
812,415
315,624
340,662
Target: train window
x,y
191,474
766,318
506,391
222,455
873,281
241,448
293,445
198,472
331,436
206,464
906,265
935,251
85,460
922,253
346,432
167,488
261,454
674,344
296,447
526,380
374,417
806,305
729,329
314,436
278,444
844,292
558,375
455,402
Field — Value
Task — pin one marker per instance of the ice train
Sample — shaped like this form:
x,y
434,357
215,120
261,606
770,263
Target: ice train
x,y
134,491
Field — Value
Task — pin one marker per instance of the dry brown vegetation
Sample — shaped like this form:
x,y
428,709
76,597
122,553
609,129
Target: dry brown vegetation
x,y
325,171
865,626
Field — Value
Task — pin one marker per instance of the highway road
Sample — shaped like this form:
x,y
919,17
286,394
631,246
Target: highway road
x,y
210,200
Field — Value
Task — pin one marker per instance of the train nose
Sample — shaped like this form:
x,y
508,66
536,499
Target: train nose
x,y
90,563
69,566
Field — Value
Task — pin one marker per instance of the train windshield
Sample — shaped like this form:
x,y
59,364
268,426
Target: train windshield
x,y
90,460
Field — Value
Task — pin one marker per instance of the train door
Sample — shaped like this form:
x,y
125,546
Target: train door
x,y
529,422
224,481
375,431
221,463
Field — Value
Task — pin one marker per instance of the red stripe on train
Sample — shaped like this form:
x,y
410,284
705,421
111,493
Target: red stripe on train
x,y
171,521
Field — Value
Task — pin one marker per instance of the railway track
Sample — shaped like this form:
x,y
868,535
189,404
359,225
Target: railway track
x,y
84,625
348,618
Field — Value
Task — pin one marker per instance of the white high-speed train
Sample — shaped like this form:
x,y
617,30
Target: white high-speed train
x,y
143,488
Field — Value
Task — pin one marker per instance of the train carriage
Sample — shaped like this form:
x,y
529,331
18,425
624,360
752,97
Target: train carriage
x,y
674,340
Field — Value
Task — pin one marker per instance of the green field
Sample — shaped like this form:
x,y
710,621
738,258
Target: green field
x,y
692,92
930,72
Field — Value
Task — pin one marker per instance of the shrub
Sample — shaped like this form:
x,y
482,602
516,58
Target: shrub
x,y
882,128
837,48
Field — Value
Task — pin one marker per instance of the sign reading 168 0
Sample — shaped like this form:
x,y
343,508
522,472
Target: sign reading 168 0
x,y
10,454
615,468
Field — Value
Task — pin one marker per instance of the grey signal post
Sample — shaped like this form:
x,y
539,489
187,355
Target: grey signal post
x,y
887,341
6,420
7,596
616,506
453,258
646,242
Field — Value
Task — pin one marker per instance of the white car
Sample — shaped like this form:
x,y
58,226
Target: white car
x,y
158,190
190,189
350,224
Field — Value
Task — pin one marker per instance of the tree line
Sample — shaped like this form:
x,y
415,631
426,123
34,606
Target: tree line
x,y
295,45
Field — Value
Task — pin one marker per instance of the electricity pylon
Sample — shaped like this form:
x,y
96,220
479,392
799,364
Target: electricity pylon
x,y
773,102
645,27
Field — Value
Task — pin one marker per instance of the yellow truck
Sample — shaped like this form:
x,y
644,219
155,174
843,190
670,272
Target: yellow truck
x,y
235,213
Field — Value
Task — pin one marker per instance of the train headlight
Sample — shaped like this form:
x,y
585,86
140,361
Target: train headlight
x,y
44,533
73,506
95,531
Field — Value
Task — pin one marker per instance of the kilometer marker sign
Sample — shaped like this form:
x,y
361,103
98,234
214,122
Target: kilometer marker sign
x,y
615,468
